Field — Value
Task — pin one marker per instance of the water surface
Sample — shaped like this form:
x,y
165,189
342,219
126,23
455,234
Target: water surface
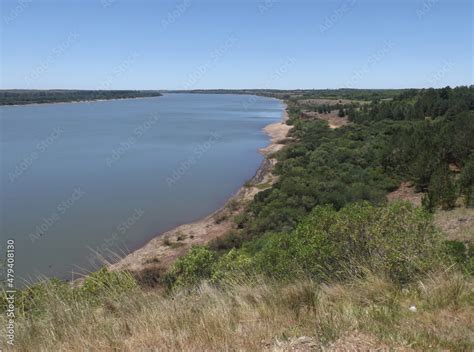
x,y
108,176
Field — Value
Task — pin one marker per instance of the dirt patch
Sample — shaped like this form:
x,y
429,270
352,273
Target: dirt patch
x,y
406,192
457,224
332,118
160,252
351,341
318,101
357,341
299,344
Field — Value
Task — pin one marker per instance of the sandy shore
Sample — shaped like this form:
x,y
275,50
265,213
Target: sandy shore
x,y
162,250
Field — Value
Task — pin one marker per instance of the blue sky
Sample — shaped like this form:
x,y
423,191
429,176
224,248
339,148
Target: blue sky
x,y
190,44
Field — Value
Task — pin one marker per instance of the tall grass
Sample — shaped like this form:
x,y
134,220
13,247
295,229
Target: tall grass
x,y
256,314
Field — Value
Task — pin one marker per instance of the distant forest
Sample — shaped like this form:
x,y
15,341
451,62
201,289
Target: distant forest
x,y
22,97
341,93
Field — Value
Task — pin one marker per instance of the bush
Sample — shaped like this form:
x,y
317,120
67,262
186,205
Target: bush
x,y
232,264
456,250
461,254
106,283
196,265
398,241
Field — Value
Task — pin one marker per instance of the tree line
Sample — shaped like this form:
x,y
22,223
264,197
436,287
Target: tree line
x,y
22,97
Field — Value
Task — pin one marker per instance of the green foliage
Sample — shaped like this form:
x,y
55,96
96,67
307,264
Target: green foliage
x,y
460,253
197,264
436,130
442,189
392,140
327,166
457,250
418,104
397,241
466,182
231,265
104,282
35,300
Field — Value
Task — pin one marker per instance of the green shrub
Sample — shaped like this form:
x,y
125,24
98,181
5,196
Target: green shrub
x,y
188,270
105,282
233,264
461,254
456,250
397,241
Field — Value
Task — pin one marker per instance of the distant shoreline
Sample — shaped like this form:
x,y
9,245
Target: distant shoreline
x,y
79,101
161,251
19,97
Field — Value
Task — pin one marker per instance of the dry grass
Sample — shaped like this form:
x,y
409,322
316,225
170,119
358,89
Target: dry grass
x,y
255,315
458,224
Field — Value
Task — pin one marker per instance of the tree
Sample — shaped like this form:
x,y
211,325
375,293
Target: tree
x,y
341,113
442,189
466,182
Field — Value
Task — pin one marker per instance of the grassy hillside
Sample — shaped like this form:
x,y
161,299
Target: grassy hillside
x,y
318,261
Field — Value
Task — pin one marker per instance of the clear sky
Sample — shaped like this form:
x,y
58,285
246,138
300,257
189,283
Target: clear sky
x,y
190,44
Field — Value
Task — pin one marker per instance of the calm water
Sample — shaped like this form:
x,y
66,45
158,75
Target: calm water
x,y
108,176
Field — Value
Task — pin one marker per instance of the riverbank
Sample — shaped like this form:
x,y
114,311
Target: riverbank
x,y
161,251
78,101
21,97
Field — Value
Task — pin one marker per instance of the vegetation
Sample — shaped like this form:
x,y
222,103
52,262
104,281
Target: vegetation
x,y
23,96
396,241
365,160
335,94
259,314
319,259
